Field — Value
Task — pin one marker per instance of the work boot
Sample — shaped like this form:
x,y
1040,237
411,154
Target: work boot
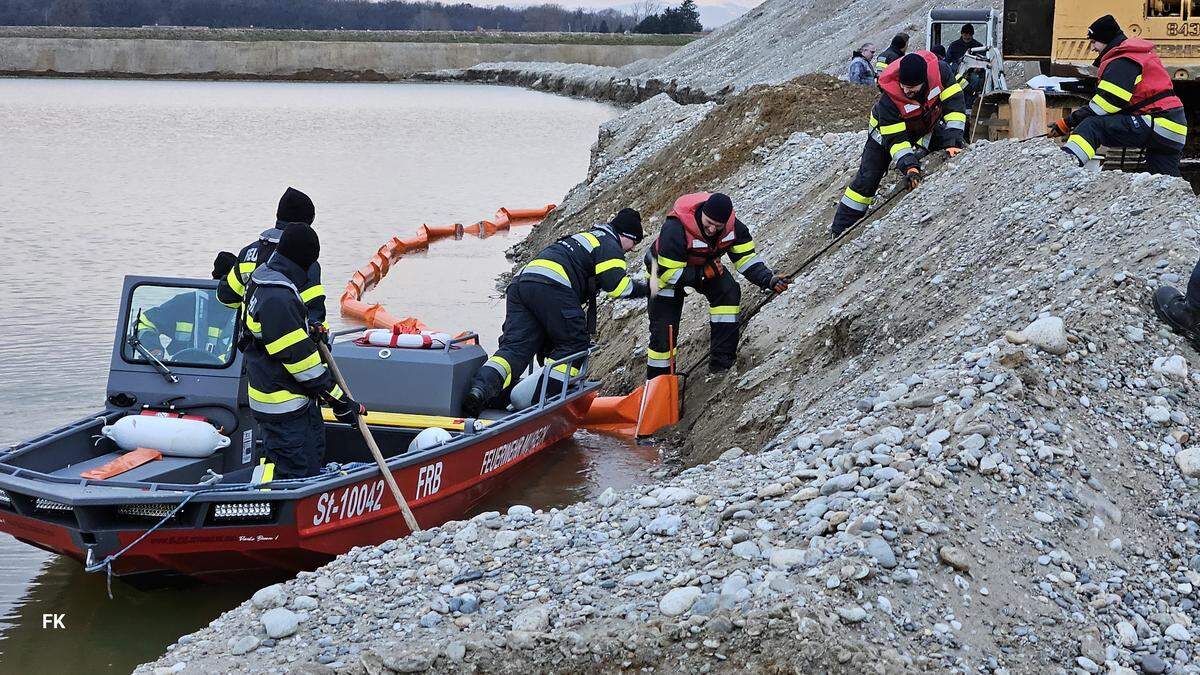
x,y
718,368
1173,308
474,402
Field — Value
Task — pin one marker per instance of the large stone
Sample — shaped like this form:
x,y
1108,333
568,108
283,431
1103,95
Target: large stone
x,y
879,549
956,558
785,558
280,622
845,481
269,597
676,495
1048,334
666,525
678,600
532,620
1188,462
243,645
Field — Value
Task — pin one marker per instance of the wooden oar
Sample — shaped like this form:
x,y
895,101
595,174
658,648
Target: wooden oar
x,y
409,518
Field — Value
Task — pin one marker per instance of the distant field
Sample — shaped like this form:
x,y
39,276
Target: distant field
x,y
260,35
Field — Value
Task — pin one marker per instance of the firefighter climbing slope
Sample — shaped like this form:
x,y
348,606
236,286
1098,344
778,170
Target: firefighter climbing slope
x,y
1135,105
700,230
922,109
544,308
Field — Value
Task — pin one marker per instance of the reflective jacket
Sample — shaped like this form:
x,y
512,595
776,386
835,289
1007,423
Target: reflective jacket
x,y
886,58
682,244
586,262
232,289
1133,81
900,124
284,368
178,318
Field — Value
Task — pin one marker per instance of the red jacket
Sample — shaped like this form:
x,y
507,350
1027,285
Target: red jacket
x,y
1155,92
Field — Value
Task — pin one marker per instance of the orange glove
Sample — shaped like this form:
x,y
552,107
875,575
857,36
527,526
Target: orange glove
x,y
953,152
913,176
1059,129
778,284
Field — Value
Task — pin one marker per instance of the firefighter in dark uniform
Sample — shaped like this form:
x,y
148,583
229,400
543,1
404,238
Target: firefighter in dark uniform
x,y
191,321
922,109
700,230
287,377
544,313
1135,105
893,53
295,207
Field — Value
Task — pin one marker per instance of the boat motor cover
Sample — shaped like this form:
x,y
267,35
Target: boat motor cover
x,y
429,438
172,436
415,381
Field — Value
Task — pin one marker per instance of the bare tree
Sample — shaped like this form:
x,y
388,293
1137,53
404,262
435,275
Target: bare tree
x,y
644,8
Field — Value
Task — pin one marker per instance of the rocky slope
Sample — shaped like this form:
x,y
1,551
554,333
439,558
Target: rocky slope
x,y
963,443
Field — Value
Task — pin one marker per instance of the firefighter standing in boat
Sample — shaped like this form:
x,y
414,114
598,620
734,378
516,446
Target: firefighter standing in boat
x,y
287,377
700,230
295,208
922,109
1135,105
544,307
190,320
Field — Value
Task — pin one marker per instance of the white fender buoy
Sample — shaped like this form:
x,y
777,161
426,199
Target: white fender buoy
x,y
173,436
382,337
429,438
522,395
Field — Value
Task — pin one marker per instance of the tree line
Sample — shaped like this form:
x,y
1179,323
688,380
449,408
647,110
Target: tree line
x,y
673,20
312,15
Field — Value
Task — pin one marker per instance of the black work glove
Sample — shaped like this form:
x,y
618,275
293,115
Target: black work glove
x,y
778,284
913,177
320,333
347,410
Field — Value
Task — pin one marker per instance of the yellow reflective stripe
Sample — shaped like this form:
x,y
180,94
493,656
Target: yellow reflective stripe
x,y
311,293
900,147
614,264
858,198
665,279
253,325
286,341
723,309
214,332
302,365
1083,145
183,327
503,363
888,130
145,323
1105,105
247,267
336,392
743,248
1170,125
591,239
282,396
742,263
562,368
620,289
235,282
1113,89
956,117
268,471
672,264
660,355
550,265
950,91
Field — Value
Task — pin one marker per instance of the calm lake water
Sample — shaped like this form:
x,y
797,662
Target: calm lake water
x,y
107,178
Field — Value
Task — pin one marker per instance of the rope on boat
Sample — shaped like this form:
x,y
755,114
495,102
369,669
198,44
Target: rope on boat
x,y
106,564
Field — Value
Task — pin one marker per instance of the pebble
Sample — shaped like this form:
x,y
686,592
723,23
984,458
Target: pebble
x,y
1048,334
1188,462
269,597
879,549
280,622
955,557
678,600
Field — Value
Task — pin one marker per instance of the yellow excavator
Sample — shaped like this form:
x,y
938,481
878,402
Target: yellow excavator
x,y
1053,34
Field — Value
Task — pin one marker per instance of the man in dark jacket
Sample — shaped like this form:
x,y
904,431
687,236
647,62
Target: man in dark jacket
x,y
295,207
191,321
701,229
920,110
1135,105
958,49
544,306
893,53
287,376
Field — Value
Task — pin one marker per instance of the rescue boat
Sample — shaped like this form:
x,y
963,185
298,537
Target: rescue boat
x,y
164,480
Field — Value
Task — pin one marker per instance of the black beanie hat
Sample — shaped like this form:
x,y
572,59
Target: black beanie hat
x,y
223,263
912,70
1105,29
939,50
719,207
968,29
295,207
628,223
900,41
299,243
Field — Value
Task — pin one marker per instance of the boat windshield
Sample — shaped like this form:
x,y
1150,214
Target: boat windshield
x,y
180,326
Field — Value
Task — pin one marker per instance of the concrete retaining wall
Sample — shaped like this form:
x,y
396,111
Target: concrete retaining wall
x,y
286,59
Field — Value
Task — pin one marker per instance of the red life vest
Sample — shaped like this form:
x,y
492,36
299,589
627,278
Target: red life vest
x,y
701,250
919,116
1156,83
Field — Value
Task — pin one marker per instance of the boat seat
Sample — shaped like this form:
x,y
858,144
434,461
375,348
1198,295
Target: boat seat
x,y
165,470
493,414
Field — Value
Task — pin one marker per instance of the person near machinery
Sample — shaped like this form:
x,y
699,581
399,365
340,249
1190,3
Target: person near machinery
x,y
701,229
190,320
295,208
544,314
921,109
893,53
861,71
288,379
958,49
1135,105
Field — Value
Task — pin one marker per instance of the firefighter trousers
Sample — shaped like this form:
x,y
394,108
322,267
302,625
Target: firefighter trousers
x,y
295,444
1162,136
541,319
666,309
860,195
